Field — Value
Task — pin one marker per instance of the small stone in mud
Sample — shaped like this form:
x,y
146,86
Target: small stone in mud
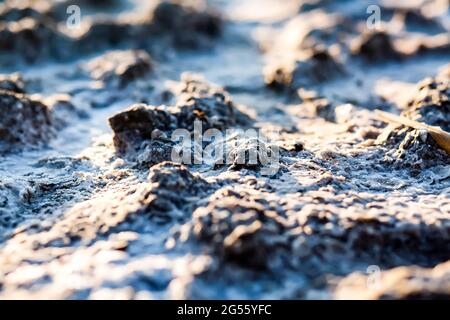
x,y
23,122
121,67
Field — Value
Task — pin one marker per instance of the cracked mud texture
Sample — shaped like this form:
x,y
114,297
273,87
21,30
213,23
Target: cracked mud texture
x,y
93,205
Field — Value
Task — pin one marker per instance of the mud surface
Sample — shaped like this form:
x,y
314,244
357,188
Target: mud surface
x,y
92,204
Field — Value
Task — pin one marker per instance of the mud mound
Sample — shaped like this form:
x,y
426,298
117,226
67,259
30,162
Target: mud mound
x,y
119,68
381,237
241,227
147,130
312,68
24,122
198,100
416,149
12,82
174,191
400,283
188,25
36,34
311,30
375,46
431,103
31,39
136,124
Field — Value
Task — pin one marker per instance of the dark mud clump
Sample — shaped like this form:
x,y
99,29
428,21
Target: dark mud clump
x,y
213,106
375,46
312,68
23,122
431,103
174,191
169,195
144,132
241,227
416,149
376,236
119,68
31,39
136,131
171,24
188,26
307,51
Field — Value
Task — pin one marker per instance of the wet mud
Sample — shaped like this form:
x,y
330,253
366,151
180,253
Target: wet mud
x,y
93,205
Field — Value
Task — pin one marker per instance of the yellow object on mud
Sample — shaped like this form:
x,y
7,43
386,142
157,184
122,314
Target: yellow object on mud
x,y
441,137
